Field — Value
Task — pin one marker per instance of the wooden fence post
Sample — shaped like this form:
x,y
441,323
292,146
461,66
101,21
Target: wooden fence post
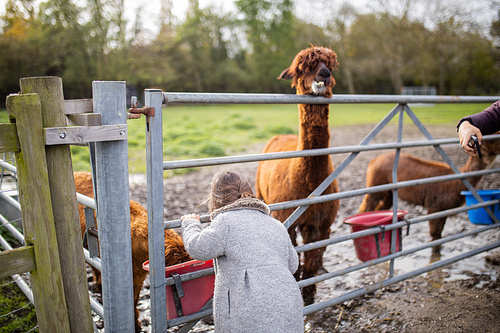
x,y
38,220
65,207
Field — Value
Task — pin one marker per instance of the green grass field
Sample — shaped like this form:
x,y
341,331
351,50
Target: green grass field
x,y
210,131
220,130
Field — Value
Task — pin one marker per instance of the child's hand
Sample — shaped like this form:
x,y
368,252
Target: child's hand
x,y
190,216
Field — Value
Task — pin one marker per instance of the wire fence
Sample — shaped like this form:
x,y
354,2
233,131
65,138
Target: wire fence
x,y
17,313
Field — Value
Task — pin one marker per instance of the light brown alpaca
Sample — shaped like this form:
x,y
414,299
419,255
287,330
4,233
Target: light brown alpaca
x,y
175,253
434,197
291,179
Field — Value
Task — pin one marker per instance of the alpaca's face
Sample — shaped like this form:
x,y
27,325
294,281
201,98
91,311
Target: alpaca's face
x,y
311,71
319,80
175,252
490,149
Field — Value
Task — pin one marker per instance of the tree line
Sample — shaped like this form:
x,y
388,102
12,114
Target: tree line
x,y
210,51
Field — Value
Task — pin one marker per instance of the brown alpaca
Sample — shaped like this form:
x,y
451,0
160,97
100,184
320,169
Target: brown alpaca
x,y
291,179
434,197
175,253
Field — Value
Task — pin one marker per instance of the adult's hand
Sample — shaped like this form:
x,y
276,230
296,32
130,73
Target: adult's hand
x,y
465,131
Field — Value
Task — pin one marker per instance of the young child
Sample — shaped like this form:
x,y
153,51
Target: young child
x,y
254,260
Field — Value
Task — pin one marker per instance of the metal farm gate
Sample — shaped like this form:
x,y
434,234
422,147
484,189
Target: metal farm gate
x,y
117,310
155,166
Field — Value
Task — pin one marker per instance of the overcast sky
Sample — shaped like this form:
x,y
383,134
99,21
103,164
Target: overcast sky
x,y
310,10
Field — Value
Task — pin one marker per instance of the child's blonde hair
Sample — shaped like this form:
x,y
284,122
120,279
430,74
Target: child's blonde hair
x,y
227,187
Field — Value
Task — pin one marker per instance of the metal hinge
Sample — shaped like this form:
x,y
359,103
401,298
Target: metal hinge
x,y
135,113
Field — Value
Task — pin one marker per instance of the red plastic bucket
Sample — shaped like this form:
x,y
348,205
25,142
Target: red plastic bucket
x,y
366,247
197,292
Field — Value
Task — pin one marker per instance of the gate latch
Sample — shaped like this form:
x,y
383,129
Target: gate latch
x,y
177,293
135,113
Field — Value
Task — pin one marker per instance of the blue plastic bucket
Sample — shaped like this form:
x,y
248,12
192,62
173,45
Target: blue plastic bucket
x,y
479,215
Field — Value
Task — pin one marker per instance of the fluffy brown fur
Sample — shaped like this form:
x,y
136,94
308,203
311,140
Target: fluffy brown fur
x,y
291,179
175,253
434,197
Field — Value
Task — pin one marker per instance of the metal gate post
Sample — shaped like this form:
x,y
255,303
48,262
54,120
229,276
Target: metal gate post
x,y
113,211
154,158
395,191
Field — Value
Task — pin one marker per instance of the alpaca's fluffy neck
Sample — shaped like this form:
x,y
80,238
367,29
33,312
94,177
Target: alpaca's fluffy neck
x,y
476,164
313,126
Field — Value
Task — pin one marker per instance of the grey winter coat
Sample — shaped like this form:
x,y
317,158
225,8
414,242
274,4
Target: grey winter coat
x,y
255,290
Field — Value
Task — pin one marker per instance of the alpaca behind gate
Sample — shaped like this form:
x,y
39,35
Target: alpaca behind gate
x,y
175,253
291,179
434,197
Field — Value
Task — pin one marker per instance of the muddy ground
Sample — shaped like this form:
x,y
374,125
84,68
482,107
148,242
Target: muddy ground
x,y
461,297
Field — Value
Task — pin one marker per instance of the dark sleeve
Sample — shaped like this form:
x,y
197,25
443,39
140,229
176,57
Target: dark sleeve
x,y
488,121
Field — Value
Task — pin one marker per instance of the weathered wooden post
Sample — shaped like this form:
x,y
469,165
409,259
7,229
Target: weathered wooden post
x,y
38,219
113,210
64,208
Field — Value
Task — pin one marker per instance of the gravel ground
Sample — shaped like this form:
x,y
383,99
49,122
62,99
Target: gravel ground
x,y
461,297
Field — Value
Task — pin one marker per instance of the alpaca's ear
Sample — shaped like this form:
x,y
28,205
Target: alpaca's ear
x,y
286,74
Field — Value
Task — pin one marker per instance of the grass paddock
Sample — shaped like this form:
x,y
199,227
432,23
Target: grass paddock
x,y
219,130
